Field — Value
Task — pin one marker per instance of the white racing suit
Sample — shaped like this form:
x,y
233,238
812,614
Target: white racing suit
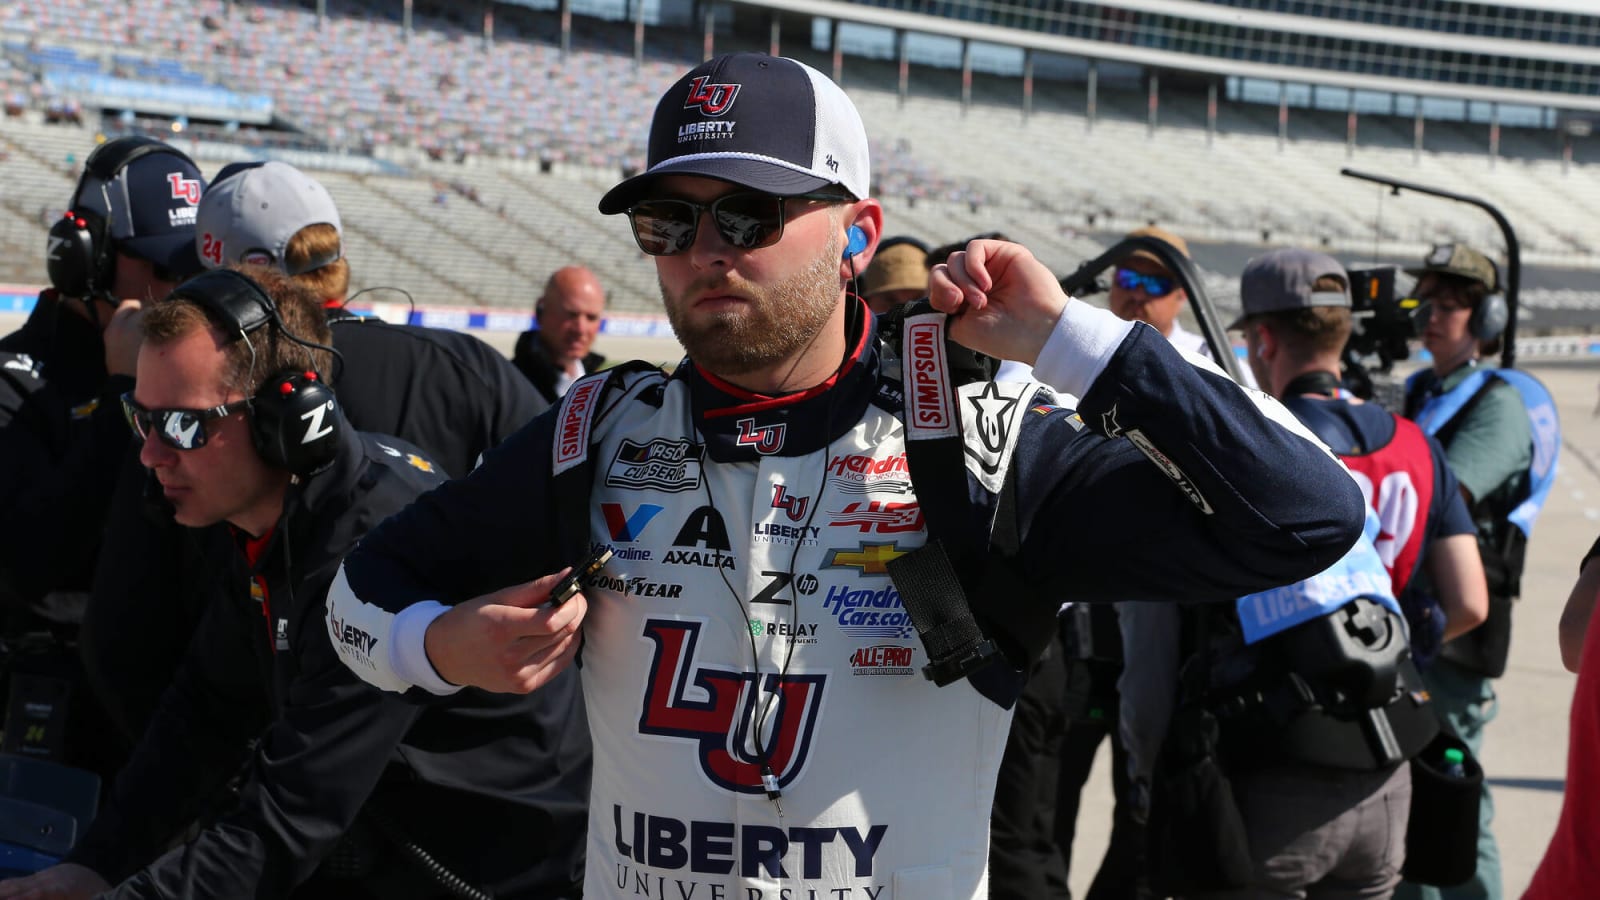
x,y
747,623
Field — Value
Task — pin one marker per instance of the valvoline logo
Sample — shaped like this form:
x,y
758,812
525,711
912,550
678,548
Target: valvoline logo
x,y
720,725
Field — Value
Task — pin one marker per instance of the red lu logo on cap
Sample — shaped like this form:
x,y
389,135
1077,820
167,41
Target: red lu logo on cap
x,y
713,99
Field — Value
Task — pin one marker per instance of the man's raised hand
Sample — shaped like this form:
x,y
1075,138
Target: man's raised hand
x,y
1001,300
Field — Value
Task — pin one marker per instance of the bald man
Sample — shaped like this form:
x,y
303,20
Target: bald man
x,y
567,319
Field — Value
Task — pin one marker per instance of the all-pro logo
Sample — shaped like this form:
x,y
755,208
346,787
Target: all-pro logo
x,y
185,189
793,507
715,708
712,99
767,440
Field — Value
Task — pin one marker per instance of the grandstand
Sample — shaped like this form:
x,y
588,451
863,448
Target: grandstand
x,y
468,169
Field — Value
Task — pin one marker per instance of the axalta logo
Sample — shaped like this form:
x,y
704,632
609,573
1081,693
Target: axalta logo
x,y
714,709
711,99
663,464
868,614
882,659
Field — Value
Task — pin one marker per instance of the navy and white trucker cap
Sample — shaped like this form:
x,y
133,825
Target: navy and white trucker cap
x,y
767,123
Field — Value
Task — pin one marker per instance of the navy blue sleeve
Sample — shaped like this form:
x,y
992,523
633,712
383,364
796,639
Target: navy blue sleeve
x,y
1176,484
470,536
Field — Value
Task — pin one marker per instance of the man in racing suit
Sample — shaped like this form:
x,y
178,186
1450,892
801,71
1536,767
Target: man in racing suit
x,y
749,668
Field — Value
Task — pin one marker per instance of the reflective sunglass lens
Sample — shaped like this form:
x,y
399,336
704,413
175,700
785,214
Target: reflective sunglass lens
x,y
748,221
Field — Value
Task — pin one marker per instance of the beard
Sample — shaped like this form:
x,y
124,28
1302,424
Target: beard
x,y
775,323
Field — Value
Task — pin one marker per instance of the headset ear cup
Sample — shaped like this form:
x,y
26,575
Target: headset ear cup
x,y
295,423
71,256
1489,318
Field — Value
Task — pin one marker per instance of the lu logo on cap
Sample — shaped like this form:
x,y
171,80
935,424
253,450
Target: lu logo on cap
x,y
713,99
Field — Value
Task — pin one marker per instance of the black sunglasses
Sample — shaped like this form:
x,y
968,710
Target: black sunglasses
x,y
747,220
180,429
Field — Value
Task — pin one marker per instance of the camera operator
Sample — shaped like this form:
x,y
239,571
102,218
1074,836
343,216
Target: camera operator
x,y
1296,323
1500,436
1280,693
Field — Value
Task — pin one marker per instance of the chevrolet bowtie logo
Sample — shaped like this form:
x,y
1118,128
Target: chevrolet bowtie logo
x,y
871,559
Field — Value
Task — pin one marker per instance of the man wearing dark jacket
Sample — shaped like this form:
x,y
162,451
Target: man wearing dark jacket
x,y
239,428
449,393
568,314
127,238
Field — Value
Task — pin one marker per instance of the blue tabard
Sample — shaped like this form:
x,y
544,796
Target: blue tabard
x,y
1359,573
1542,421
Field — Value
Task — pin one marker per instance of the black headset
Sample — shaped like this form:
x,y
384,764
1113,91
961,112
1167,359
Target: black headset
x,y
1490,315
79,256
294,416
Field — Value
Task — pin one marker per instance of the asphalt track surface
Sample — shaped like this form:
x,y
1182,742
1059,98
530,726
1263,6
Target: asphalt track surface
x,y
1525,748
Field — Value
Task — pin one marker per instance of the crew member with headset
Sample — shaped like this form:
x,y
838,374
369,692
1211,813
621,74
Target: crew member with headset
x,y
239,427
1500,433
1304,697
449,393
126,238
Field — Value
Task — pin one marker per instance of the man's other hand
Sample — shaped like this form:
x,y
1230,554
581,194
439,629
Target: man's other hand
x,y
509,641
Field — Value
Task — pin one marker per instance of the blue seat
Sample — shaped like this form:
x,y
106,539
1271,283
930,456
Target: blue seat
x,y
44,806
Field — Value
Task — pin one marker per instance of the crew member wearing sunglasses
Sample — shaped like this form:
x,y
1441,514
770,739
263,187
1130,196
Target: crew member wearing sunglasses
x,y
1143,290
745,648
263,469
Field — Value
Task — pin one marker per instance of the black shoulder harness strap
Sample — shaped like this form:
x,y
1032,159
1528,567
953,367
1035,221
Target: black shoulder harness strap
x,y
966,556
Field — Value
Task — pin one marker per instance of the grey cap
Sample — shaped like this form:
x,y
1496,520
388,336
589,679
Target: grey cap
x,y
251,212
1282,279
1459,260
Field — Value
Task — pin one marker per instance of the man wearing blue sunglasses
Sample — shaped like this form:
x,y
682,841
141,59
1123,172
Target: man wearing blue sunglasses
x,y
1144,290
